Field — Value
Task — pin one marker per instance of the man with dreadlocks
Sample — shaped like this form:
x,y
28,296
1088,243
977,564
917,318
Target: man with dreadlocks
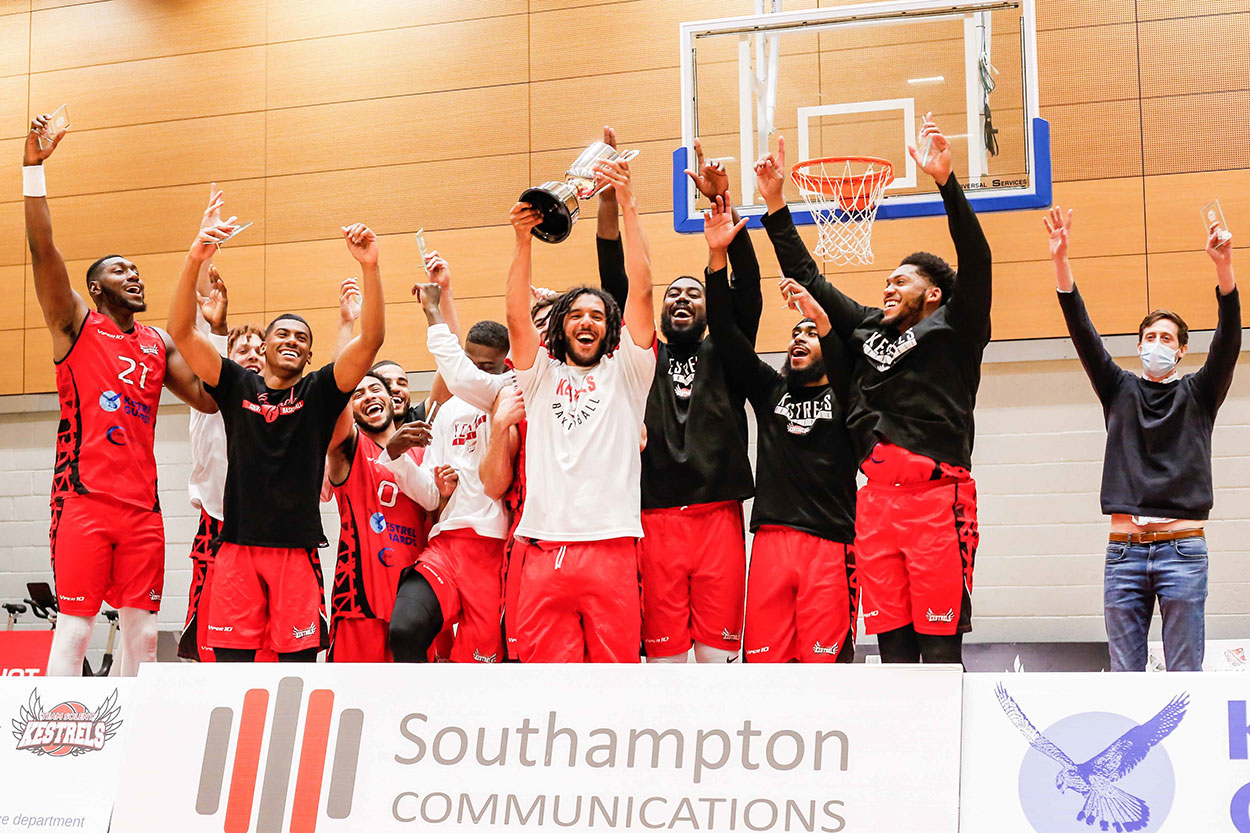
x,y
584,400
695,469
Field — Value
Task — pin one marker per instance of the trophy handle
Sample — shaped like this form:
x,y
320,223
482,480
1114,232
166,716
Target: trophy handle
x,y
626,156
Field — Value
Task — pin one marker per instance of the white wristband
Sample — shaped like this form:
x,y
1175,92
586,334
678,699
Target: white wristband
x,y
34,183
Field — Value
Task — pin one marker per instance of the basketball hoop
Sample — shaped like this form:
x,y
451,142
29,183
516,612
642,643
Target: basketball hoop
x,y
843,193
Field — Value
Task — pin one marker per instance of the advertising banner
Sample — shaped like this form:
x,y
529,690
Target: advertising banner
x,y
544,747
61,751
1065,753
24,653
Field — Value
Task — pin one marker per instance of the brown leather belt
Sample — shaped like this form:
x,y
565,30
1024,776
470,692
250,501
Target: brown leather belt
x,y
1154,537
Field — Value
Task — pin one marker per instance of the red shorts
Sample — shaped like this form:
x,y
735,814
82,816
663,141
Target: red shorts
x,y
267,596
366,640
194,642
916,540
104,550
578,602
694,567
359,640
802,598
465,571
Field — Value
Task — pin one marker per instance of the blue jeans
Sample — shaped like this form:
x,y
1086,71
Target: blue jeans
x,y
1174,571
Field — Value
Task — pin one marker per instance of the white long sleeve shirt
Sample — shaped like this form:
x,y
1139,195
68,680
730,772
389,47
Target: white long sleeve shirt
x,y
207,483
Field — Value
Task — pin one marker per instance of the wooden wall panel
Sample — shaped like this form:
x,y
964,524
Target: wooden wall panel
x,y
1162,9
160,155
1213,47
1173,203
12,369
241,268
14,44
1184,282
12,233
13,107
1205,132
446,56
315,114
1095,140
460,124
38,372
1066,14
1113,49
146,222
568,44
12,288
160,89
396,198
130,30
304,20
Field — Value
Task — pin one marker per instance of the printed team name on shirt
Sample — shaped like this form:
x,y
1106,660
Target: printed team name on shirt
x,y
465,433
271,412
683,375
883,353
802,415
574,405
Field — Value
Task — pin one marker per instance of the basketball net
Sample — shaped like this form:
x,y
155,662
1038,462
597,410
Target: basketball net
x,y
842,194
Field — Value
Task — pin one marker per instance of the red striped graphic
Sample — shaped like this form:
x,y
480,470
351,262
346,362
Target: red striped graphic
x,y
246,761
312,761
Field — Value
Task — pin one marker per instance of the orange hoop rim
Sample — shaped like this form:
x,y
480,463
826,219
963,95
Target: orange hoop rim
x,y
837,186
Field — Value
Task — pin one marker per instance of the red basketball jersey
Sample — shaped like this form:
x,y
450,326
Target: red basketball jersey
x,y
109,386
381,531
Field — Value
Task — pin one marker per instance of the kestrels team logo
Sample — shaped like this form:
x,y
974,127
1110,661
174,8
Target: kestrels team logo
x,y
1126,787
66,729
305,800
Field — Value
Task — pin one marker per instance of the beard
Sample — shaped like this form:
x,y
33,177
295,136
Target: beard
x,y
590,361
803,377
364,424
121,300
685,336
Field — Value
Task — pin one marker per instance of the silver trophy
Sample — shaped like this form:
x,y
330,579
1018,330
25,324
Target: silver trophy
x,y
558,200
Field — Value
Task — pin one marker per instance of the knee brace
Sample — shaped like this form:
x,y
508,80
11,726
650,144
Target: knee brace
x,y
416,620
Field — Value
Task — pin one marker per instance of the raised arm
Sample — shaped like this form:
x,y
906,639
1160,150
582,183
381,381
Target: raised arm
x,y
358,356
638,314
1216,374
460,376
64,310
611,254
832,350
796,261
754,376
969,305
1101,369
498,465
192,343
747,298
349,312
522,334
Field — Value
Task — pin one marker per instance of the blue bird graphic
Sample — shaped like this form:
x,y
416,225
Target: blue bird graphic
x,y
1106,805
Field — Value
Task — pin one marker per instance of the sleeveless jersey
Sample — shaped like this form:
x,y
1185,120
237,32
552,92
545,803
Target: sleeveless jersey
x,y
109,386
381,532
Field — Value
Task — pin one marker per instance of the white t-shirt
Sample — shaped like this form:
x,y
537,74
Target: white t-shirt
x,y
207,483
583,468
458,439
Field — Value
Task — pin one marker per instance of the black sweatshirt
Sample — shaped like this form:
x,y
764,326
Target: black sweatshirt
x,y
805,466
917,389
1158,457
696,417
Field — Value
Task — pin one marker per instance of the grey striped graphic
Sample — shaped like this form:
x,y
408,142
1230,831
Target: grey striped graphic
x,y
281,753
213,767
343,772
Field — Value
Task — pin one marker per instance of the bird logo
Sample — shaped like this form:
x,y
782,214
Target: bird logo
x,y
1106,806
